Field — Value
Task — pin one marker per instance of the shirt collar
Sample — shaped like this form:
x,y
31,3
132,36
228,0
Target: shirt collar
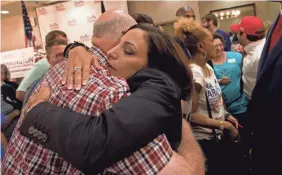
x,y
252,45
102,57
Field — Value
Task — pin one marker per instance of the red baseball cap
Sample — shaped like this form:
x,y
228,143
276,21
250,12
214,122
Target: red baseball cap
x,y
249,25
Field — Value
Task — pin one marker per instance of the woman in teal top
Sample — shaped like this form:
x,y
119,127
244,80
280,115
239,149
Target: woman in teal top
x,y
227,67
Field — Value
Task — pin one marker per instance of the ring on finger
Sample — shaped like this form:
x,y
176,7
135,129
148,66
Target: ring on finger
x,y
74,69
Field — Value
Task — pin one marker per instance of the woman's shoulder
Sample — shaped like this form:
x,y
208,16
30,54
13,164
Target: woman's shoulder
x,y
148,77
233,54
196,68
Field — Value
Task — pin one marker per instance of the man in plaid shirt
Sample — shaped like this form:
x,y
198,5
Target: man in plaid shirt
x,y
103,90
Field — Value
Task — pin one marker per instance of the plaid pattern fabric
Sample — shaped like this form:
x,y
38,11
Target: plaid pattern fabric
x,y
103,90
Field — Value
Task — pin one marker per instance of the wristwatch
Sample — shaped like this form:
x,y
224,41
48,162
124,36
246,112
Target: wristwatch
x,y
221,127
226,115
73,45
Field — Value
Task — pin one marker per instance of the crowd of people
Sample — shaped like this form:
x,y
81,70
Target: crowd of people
x,y
140,101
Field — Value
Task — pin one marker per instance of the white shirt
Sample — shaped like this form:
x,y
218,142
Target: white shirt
x,y
211,87
250,65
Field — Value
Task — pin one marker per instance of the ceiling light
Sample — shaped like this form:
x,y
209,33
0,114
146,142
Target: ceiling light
x,y
233,12
221,13
228,13
4,12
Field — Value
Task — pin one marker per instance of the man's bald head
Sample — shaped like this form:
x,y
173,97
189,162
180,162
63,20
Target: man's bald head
x,y
112,23
186,11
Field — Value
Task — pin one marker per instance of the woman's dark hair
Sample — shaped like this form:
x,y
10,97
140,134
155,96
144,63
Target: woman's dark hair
x,y
190,32
143,18
165,54
218,36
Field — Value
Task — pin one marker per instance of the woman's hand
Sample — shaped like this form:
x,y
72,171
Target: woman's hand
x,y
233,120
232,131
81,60
224,81
42,95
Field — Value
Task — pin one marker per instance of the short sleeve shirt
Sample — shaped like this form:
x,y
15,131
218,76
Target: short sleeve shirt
x,y
211,87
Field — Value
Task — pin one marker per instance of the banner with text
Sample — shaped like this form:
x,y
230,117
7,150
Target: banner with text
x,y
75,18
19,62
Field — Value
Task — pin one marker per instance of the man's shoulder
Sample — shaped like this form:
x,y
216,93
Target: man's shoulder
x,y
221,32
55,74
37,71
41,65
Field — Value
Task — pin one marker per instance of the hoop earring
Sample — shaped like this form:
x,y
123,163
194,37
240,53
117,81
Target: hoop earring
x,y
205,54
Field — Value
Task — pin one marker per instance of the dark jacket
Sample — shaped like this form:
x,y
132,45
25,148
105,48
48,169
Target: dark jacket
x,y
93,143
266,110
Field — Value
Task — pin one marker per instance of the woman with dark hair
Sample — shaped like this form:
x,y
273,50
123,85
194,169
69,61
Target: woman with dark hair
x,y
227,66
156,70
209,119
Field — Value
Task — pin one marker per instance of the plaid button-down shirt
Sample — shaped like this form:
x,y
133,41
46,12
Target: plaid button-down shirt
x,y
103,90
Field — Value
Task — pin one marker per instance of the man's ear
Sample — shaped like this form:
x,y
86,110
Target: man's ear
x,y
244,36
48,59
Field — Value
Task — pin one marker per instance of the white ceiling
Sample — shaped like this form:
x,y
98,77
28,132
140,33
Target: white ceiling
x,y
14,7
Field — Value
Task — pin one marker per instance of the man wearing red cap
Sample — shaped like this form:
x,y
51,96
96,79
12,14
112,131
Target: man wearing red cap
x,y
266,111
251,35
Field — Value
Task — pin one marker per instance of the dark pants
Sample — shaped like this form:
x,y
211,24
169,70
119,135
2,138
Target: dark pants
x,y
245,132
266,155
221,158
245,144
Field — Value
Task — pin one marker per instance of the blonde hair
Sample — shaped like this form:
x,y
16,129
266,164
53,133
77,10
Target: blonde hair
x,y
6,72
191,32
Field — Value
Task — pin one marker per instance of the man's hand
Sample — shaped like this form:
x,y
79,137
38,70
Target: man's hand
x,y
41,96
177,165
77,70
224,81
189,159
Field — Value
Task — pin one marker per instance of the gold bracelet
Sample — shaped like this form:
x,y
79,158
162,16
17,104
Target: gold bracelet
x,y
221,125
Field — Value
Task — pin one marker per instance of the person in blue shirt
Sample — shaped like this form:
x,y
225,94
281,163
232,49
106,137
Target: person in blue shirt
x,y
227,67
4,142
210,22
